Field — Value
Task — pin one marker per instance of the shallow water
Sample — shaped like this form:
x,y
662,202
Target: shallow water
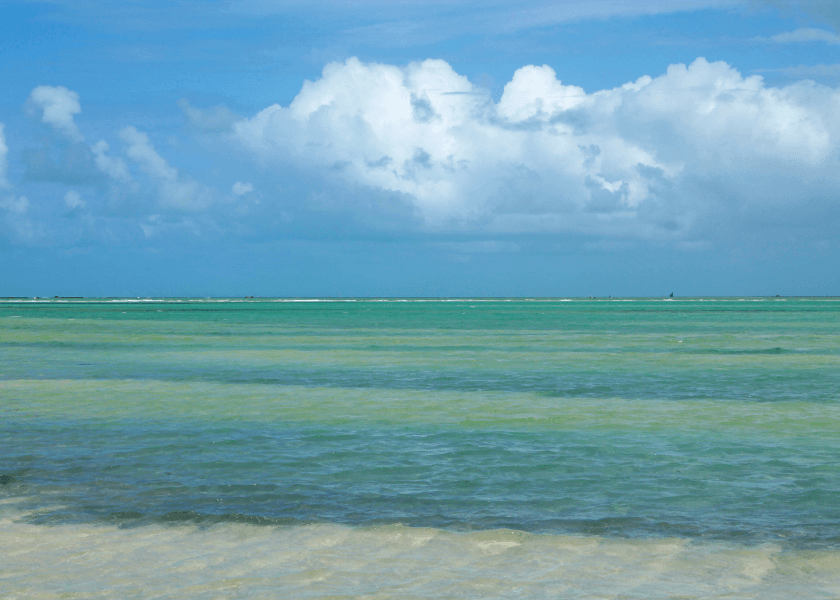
x,y
570,448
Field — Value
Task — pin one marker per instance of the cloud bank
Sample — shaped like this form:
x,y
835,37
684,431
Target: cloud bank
x,y
691,157
673,157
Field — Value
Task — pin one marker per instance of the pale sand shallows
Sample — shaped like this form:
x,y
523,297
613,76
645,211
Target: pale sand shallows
x,y
332,561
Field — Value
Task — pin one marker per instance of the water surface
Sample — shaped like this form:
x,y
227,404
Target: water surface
x,y
602,448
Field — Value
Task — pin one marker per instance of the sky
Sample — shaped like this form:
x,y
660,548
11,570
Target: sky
x,y
406,148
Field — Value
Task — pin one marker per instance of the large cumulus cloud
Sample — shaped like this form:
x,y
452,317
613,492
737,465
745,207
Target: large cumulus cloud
x,y
670,157
693,156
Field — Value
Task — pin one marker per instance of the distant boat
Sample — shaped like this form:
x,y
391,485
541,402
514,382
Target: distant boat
x,y
672,295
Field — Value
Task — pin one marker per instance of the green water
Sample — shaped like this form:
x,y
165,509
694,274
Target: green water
x,y
706,426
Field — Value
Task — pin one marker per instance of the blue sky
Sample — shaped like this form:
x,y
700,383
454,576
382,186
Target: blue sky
x,y
219,148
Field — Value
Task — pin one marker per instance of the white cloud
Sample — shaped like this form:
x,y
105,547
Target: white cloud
x,y
79,163
241,188
74,200
4,153
15,223
58,105
140,150
133,185
174,191
156,225
535,92
15,205
113,166
212,120
807,34
655,157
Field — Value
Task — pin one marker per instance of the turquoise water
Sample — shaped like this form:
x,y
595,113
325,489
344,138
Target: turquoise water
x,y
579,448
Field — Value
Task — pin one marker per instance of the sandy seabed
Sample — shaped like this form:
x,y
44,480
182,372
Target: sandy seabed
x,y
331,561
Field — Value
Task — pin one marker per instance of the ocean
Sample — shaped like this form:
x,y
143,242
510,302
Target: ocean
x,y
420,448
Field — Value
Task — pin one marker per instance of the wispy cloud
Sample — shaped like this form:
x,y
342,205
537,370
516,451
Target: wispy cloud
x,y
396,16
815,72
4,152
174,190
411,22
804,35
15,224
